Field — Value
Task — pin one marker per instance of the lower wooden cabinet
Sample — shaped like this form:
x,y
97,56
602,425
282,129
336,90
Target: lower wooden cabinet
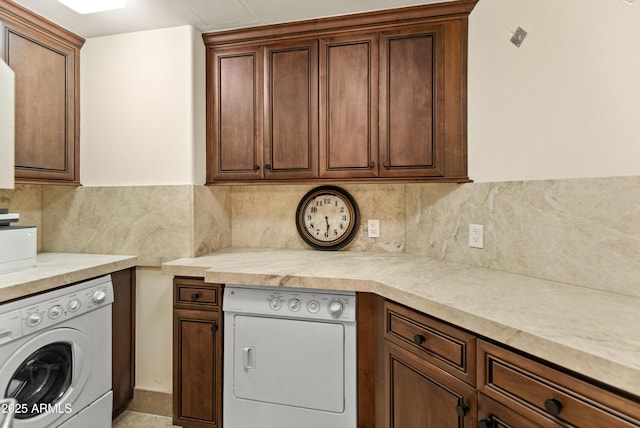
x,y
419,395
492,414
548,396
123,338
197,353
428,380
425,362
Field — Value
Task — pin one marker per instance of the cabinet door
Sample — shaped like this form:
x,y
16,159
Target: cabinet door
x,y
291,110
348,90
46,95
197,359
492,414
234,137
411,102
419,395
123,332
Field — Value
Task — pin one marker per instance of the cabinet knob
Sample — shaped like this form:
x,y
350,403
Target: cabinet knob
x,y
462,409
214,327
385,165
419,339
267,167
372,164
553,406
256,167
484,423
195,296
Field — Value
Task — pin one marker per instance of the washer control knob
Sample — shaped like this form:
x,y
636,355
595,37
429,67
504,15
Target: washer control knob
x,y
275,303
34,319
99,296
336,308
74,305
55,312
313,306
294,305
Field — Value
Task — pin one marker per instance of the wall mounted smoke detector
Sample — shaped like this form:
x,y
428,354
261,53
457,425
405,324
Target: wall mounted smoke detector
x,y
517,37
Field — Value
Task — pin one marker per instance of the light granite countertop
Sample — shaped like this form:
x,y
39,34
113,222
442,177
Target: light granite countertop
x,y
53,270
592,332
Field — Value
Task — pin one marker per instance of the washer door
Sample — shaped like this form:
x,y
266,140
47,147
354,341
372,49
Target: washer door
x,y
46,375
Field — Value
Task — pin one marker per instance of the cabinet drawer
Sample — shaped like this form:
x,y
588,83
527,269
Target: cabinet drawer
x,y
190,292
535,389
444,346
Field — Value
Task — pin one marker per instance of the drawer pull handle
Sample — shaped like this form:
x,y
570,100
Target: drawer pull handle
x,y
484,423
419,339
462,409
553,406
195,296
214,327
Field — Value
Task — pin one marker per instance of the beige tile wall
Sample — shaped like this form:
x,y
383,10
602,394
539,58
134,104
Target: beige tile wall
x,y
581,231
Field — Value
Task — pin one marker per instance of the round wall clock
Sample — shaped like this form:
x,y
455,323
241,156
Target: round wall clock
x,y
327,218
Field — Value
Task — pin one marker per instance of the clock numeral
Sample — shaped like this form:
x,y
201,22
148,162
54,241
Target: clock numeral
x,y
341,209
335,232
344,218
314,209
309,217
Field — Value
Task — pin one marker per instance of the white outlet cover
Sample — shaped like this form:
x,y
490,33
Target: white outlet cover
x,y
476,236
373,228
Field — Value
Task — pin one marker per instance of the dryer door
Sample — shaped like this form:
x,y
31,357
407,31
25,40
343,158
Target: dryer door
x,y
46,375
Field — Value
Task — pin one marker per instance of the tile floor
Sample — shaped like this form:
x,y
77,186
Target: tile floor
x,y
130,419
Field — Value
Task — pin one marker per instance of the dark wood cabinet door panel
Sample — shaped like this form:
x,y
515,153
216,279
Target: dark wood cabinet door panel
x,y
422,396
411,101
197,353
291,112
45,59
348,123
123,338
237,115
196,375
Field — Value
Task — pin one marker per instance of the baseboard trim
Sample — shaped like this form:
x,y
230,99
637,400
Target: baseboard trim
x,y
153,402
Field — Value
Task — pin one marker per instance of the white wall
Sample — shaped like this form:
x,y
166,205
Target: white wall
x,y
142,109
154,327
566,103
563,105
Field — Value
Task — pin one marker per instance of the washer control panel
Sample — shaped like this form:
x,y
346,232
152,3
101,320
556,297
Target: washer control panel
x,y
291,302
39,312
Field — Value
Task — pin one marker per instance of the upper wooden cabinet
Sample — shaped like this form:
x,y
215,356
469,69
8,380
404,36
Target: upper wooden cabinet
x,y
372,96
46,61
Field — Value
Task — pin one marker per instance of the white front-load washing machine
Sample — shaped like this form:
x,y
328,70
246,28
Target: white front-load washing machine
x,y
55,357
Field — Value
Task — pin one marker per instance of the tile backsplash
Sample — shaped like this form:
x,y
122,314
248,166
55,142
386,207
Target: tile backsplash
x,y
580,231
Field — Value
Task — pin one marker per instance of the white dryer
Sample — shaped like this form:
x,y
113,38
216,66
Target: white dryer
x,y
55,357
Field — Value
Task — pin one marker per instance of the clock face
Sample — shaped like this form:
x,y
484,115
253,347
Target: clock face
x,y
327,218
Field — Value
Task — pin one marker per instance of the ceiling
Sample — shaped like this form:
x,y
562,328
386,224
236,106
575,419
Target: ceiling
x,y
205,15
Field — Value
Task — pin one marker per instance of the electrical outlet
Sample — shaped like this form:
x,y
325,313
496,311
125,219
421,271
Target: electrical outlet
x,y
373,228
476,236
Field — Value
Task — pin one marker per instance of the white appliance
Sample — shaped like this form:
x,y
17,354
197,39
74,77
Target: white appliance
x,y
289,359
7,126
18,244
55,356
